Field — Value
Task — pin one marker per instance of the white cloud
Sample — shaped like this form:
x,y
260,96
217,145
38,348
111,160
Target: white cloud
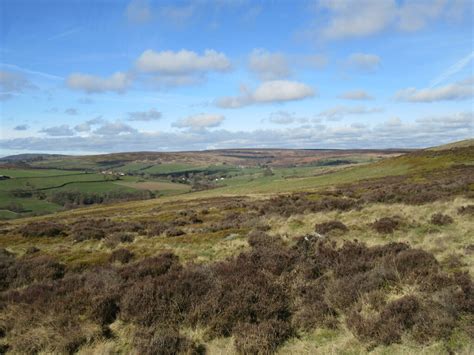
x,y
58,131
87,126
360,18
200,121
13,83
268,66
182,62
138,11
355,95
393,133
118,82
268,92
364,62
356,18
462,90
282,90
114,129
454,69
145,116
338,112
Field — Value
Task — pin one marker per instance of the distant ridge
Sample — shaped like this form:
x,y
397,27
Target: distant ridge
x,y
459,144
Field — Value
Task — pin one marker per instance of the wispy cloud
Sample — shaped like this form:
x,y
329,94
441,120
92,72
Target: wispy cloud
x,y
66,33
461,90
452,70
32,72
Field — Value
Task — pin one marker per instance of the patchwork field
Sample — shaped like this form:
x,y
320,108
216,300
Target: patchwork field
x,y
353,258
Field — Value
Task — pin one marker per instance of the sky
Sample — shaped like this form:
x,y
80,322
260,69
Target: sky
x,y
87,77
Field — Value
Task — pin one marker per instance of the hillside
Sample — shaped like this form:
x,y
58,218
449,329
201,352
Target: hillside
x,y
354,258
39,184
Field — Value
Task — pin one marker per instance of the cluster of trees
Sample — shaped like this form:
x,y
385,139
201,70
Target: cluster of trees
x,y
79,198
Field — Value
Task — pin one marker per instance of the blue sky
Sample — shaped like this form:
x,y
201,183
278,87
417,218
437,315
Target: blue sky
x,y
98,76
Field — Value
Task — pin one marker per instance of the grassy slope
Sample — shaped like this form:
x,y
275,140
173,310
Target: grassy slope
x,y
443,241
49,179
410,163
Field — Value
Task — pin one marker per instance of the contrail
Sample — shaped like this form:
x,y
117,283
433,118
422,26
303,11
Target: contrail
x,y
453,69
33,72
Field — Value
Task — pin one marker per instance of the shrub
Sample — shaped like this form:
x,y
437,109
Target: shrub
x,y
386,225
326,227
157,229
388,326
87,233
43,229
466,210
174,232
31,250
261,338
119,237
153,266
415,263
164,341
440,219
122,256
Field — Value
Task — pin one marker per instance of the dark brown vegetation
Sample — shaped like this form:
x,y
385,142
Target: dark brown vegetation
x,y
43,229
466,210
326,227
122,256
440,219
386,225
262,297
413,189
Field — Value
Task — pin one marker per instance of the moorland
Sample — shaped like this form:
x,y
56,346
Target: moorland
x,y
239,251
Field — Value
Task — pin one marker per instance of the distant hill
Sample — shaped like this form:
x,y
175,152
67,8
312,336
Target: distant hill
x,y
30,157
237,157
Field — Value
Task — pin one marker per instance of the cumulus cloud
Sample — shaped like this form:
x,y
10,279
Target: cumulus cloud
x,y
13,83
138,11
393,133
355,95
462,90
115,129
21,127
360,18
181,68
145,116
182,62
363,62
356,18
87,125
338,112
200,121
117,82
58,131
268,92
268,66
